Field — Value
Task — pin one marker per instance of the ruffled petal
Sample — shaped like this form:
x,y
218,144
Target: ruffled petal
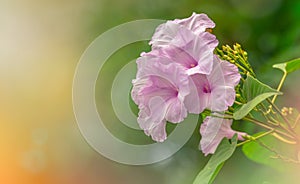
x,y
197,23
224,73
159,91
176,111
231,73
193,52
161,67
150,115
202,50
157,133
187,43
213,130
210,135
164,34
221,98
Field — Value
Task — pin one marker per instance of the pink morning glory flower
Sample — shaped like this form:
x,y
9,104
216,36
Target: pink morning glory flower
x,y
187,43
165,33
213,130
180,75
159,91
214,91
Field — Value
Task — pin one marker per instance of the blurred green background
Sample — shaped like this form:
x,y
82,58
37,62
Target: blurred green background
x,y
40,45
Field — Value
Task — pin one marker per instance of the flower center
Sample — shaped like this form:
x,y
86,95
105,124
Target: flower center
x,y
176,92
209,30
192,65
206,89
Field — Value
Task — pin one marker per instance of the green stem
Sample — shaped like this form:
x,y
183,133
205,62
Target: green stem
x,y
278,89
259,123
265,115
296,121
273,121
255,138
241,67
280,85
290,129
238,103
267,127
247,65
222,117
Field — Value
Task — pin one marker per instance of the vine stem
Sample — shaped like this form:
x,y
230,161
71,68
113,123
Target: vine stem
x,y
267,127
280,85
296,121
278,89
257,122
255,138
289,128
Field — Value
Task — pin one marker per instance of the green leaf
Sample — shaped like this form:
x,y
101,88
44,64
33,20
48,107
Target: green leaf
x,y
257,152
214,165
216,172
289,67
253,88
255,92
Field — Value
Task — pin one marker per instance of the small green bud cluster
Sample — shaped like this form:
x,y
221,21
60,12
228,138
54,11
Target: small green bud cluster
x,y
236,55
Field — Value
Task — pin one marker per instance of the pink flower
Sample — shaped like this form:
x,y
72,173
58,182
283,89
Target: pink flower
x,y
180,75
187,43
213,130
159,91
165,33
214,91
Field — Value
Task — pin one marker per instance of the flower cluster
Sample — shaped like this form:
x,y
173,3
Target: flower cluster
x,y
181,75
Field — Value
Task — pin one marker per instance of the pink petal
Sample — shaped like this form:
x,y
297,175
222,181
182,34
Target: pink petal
x,y
157,133
151,65
138,86
210,136
221,98
159,91
150,115
231,73
176,111
223,78
214,91
224,73
213,130
198,23
195,51
164,34
197,100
